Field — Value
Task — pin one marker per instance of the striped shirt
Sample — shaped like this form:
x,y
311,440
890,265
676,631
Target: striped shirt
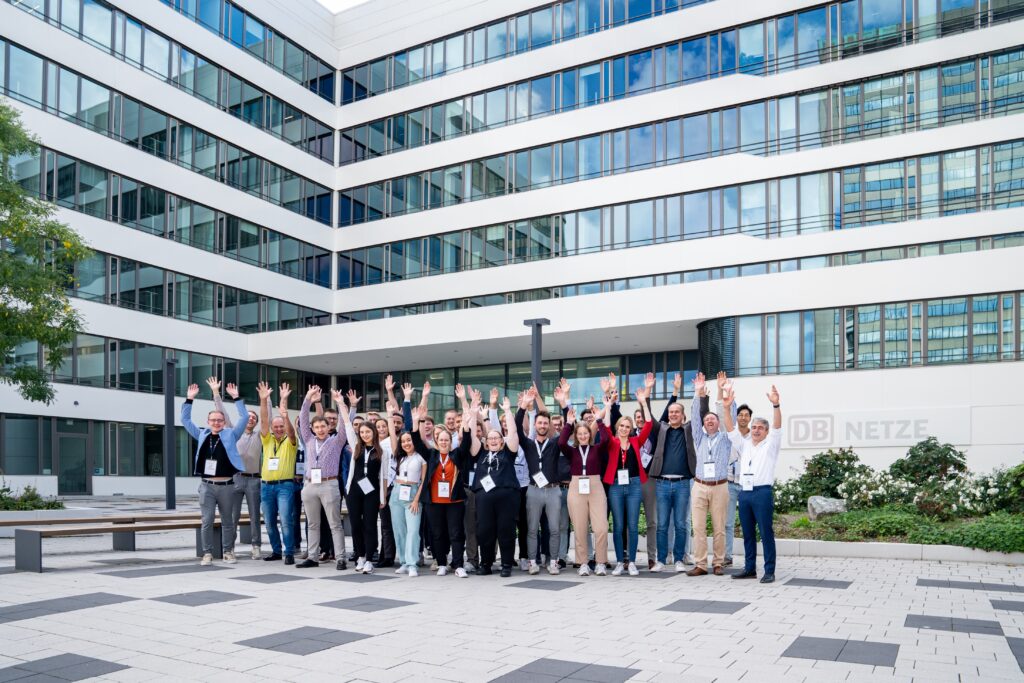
x,y
323,455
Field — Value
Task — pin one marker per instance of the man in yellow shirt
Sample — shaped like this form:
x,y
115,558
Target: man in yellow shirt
x,y
278,474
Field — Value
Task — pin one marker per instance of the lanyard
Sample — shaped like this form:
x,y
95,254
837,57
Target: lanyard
x,y
444,464
623,454
214,442
492,457
317,445
712,440
583,456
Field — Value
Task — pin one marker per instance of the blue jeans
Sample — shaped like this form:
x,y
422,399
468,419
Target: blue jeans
x,y
730,518
673,504
279,499
406,526
757,507
625,503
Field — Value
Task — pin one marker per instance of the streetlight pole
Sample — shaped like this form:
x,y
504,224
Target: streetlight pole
x,y
535,324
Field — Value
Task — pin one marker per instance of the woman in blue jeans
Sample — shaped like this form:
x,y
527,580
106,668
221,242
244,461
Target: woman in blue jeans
x,y
406,510
625,475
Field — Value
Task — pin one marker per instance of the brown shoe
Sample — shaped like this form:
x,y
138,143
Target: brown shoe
x,y
697,571
650,564
719,571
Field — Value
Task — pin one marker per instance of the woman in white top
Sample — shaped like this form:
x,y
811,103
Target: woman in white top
x,y
366,489
411,470
387,532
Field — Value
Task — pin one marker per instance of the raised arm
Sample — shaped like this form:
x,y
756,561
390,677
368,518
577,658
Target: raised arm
x,y
186,411
730,423
389,386
696,417
641,396
264,391
538,401
563,438
392,408
218,403
243,414
346,419
513,434
417,440
407,407
313,394
677,390
282,410
773,397
423,398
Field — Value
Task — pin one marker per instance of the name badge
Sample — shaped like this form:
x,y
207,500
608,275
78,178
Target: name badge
x,y
300,469
748,481
316,475
444,489
273,464
709,471
488,483
584,485
365,485
623,477
210,468
645,459
540,479
404,492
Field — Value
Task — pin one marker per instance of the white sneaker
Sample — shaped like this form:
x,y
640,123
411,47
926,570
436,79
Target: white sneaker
x,y
256,554
360,563
413,571
442,571
533,568
633,571
688,559
553,567
402,570
229,558
207,560
599,571
584,570
433,565
460,572
618,569
368,568
658,566
523,565
680,567
427,554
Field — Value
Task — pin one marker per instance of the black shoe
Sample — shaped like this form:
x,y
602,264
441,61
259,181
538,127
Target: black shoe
x,y
745,575
289,559
575,565
376,560
592,564
307,564
561,564
485,570
768,578
352,556
385,563
728,562
506,571
274,557
341,565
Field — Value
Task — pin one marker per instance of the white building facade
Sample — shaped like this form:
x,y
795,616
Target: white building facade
x,y
828,197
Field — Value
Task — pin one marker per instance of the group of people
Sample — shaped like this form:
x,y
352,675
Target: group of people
x,y
462,491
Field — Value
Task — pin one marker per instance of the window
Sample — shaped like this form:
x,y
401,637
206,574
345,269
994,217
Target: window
x,y
26,76
812,37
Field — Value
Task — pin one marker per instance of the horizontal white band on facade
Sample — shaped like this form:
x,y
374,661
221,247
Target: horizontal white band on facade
x,y
697,97
650,319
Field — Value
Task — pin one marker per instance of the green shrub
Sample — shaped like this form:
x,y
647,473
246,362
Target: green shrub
x,y
929,460
801,523
884,523
28,500
789,496
824,472
1003,490
1000,531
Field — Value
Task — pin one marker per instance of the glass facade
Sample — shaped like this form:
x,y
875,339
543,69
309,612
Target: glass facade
x,y
541,27
964,329
247,32
121,35
84,187
122,118
841,199
683,277
139,286
890,105
666,66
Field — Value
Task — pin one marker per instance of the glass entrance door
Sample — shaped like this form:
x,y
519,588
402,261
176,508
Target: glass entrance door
x,y
75,468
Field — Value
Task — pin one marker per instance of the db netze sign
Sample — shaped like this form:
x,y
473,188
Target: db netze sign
x,y
879,428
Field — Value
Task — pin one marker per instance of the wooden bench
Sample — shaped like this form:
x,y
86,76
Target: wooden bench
x,y
110,519
28,541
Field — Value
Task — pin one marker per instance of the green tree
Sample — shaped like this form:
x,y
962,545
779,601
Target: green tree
x,y
37,257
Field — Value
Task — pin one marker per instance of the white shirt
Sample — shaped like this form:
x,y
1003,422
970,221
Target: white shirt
x,y
758,459
411,468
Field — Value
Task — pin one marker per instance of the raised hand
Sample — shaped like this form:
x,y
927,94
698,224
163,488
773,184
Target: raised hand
x,y
313,394
232,391
476,397
677,385
389,383
728,395
698,384
285,390
506,405
460,392
570,417
339,400
642,393
559,394
722,378
649,382
391,408
214,385
407,390
590,403
773,396
416,414
264,390
605,386
494,396
426,388
192,391
353,398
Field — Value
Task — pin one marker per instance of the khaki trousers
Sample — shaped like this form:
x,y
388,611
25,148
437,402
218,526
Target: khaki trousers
x,y
715,499
589,508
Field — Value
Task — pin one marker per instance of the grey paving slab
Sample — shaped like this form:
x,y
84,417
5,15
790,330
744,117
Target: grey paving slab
x,y
971,585
552,667
548,669
366,604
271,578
544,584
66,667
706,606
1017,649
166,570
200,598
866,652
1009,605
43,608
304,640
808,647
957,625
603,674
654,575
358,578
819,583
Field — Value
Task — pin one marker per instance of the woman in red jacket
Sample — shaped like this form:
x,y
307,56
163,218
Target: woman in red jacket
x,y
625,474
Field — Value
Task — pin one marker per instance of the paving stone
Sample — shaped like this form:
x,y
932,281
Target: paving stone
x,y
200,598
65,667
43,608
971,585
819,583
1017,649
303,640
705,606
865,652
1009,605
366,604
807,647
544,584
957,625
271,578
166,570
358,578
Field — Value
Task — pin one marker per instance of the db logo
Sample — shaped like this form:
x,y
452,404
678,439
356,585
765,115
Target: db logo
x,y
811,430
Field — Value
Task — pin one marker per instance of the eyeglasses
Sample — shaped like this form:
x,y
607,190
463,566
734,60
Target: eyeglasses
x,y
216,420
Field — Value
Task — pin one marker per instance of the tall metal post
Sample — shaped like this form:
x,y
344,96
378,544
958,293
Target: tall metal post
x,y
535,351
169,465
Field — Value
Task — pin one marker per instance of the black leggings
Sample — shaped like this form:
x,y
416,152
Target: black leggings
x,y
521,526
496,512
447,524
362,511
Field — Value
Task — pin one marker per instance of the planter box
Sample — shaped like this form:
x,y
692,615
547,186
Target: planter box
x,y
894,551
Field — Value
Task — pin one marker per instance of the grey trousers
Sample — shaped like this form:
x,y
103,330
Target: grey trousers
x,y
327,495
213,498
547,501
250,491
472,547
650,499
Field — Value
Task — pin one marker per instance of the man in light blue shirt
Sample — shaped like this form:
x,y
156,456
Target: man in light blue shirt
x,y
711,482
